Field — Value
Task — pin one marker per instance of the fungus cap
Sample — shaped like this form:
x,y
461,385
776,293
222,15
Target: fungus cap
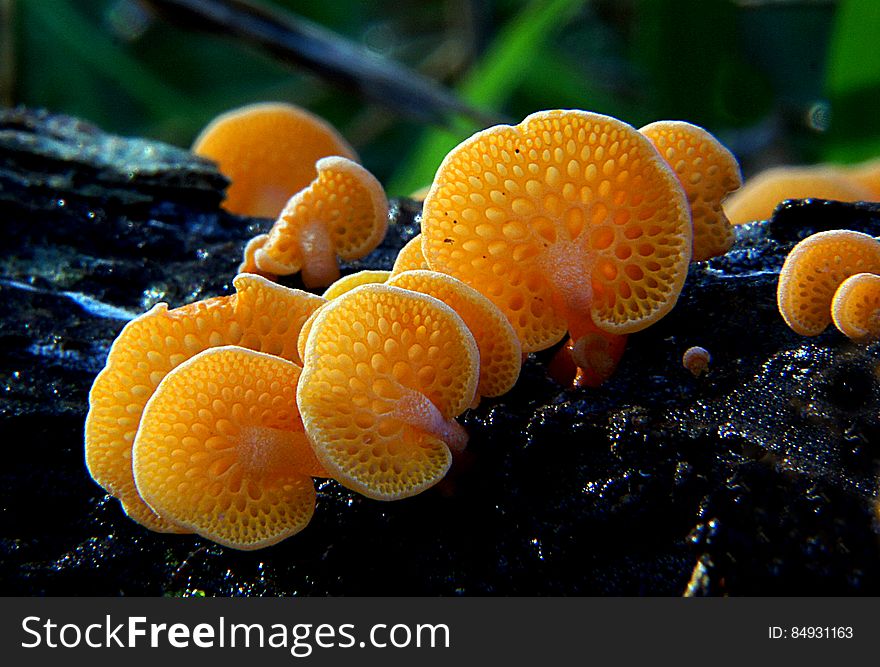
x,y
138,511
386,372
342,212
268,151
567,213
221,449
813,271
498,345
337,289
855,307
762,193
352,280
261,315
271,316
304,334
708,172
410,257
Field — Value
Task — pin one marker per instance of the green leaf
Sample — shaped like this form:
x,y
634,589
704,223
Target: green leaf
x,y
853,83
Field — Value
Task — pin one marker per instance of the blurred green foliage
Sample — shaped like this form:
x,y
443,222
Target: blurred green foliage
x,y
777,80
853,83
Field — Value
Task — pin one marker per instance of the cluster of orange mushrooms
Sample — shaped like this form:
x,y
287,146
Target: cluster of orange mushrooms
x,y
832,276
215,417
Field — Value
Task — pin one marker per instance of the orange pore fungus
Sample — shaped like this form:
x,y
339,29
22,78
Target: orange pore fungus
x,y
349,282
762,193
337,289
569,214
305,332
261,315
386,373
500,351
221,449
815,269
708,172
343,212
138,511
410,257
268,151
855,308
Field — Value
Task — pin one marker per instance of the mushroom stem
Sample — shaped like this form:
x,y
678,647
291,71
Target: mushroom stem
x,y
565,267
320,267
415,409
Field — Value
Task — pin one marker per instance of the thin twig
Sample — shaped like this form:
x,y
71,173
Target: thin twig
x,y
349,65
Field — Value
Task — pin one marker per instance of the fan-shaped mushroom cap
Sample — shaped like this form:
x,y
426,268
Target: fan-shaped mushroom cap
x,y
500,351
261,315
386,372
708,172
221,449
343,212
813,271
410,257
268,151
138,511
567,213
855,307
349,282
762,193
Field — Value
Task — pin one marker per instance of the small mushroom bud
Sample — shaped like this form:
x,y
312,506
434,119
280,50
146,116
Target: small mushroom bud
x,y
696,359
